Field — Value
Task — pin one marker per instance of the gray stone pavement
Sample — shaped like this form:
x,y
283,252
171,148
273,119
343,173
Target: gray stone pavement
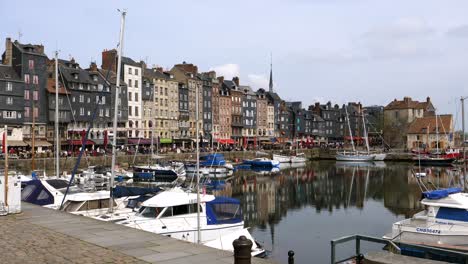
x,y
41,235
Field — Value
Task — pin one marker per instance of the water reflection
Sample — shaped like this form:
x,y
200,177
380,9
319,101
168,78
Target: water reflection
x,y
327,194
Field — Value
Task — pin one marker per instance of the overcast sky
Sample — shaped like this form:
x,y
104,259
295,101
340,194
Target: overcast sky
x,y
339,50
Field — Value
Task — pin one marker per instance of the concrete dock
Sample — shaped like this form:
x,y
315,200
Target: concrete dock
x,y
41,235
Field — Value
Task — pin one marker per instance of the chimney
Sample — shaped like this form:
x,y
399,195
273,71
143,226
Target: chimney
x,y
93,66
109,60
8,52
236,80
212,74
407,100
143,66
428,99
221,79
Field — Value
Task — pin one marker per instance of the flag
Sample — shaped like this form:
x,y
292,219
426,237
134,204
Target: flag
x,y
4,142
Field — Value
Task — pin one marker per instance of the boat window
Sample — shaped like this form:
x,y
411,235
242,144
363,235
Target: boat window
x,y
43,195
27,191
193,208
150,212
93,204
72,206
168,212
105,203
58,184
227,211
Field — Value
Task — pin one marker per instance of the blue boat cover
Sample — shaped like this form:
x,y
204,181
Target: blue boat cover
x,y
34,192
439,194
223,210
214,159
122,191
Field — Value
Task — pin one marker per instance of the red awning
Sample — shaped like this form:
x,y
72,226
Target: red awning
x,y
78,142
226,141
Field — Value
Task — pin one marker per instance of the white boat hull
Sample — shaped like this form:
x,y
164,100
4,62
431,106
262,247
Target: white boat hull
x,y
379,156
281,158
354,157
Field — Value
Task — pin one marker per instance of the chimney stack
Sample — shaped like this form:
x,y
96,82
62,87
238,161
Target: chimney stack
x,y
109,60
428,99
7,59
221,79
236,81
93,66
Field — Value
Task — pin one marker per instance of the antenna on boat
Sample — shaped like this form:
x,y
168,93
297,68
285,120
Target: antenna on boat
x,y
116,108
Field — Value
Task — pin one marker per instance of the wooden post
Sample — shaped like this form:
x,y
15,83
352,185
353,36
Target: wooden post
x,y
5,144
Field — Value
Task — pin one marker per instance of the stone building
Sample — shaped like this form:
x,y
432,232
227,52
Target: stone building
x,y
215,101
236,109
207,105
431,132
398,114
187,74
225,113
131,74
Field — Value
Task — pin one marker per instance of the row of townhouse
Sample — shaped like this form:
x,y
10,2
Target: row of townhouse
x,y
157,105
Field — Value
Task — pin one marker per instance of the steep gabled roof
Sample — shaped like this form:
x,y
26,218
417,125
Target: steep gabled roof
x,y
427,124
408,103
8,73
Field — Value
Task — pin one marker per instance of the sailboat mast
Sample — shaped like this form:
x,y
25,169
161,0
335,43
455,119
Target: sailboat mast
x,y
437,135
57,144
366,135
198,164
116,110
349,127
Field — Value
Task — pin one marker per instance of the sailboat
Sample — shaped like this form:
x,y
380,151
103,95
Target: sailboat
x,y
354,155
378,156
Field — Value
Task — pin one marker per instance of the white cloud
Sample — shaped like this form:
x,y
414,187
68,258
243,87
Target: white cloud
x,y
459,31
258,81
227,70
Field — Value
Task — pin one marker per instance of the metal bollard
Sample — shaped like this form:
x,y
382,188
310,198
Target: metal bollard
x,y
290,257
242,250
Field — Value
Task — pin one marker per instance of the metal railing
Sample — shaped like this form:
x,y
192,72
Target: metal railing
x,y
455,256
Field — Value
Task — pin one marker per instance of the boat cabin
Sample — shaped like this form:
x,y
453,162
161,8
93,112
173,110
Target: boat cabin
x,y
447,204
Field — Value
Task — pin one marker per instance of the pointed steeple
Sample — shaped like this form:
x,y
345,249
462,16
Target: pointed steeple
x,y
271,74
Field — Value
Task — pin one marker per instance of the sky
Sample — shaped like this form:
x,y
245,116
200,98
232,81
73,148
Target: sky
x,y
364,51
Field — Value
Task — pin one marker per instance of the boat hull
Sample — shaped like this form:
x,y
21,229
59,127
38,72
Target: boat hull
x,y
281,158
379,156
351,157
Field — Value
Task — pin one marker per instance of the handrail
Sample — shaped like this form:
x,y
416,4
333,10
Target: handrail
x,y
394,247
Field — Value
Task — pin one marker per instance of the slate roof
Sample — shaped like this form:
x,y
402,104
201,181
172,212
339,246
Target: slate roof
x,y
247,90
230,84
51,87
408,103
8,73
36,49
155,74
274,96
421,125
129,61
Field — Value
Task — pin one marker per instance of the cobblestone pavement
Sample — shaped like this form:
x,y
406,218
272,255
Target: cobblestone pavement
x,y
23,242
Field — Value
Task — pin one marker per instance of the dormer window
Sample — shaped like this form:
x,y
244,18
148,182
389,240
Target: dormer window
x,y
95,78
75,76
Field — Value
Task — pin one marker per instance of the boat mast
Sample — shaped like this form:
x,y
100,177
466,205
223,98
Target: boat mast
x,y
349,127
198,164
116,109
464,138
57,144
366,135
5,173
437,136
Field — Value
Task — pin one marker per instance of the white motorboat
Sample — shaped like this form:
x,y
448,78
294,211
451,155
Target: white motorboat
x,y
173,213
160,174
281,158
262,163
444,222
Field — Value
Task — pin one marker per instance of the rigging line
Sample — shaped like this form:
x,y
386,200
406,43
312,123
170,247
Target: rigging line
x,y
83,143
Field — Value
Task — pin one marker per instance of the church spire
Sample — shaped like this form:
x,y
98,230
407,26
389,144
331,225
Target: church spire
x,y
271,73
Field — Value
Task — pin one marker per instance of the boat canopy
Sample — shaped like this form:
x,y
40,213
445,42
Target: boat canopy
x,y
214,159
439,194
175,197
223,210
36,193
123,191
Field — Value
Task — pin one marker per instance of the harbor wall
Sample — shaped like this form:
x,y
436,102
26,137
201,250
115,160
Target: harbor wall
x,y
66,164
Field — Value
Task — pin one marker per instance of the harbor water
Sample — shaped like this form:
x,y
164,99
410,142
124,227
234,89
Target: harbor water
x,y
303,209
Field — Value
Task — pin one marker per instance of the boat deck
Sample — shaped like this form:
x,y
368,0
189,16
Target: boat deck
x,y
41,235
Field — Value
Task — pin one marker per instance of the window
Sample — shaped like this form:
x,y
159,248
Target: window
x,y
26,78
129,110
35,95
26,112
26,94
81,110
31,64
9,100
129,70
107,111
89,113
9,87
35,79
9,114
136,110
136,83
129,82
136,96
81,98
101,112
36,112
89,100
129,96
136,71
